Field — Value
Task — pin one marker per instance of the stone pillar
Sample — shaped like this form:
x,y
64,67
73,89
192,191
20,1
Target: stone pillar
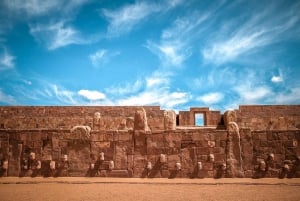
x,y
169,120
140,120
234,161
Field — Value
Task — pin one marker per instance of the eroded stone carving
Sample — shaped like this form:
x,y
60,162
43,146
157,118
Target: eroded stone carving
x,y
229,116
234,161
81,132
126,124
140,120
169,120
97,121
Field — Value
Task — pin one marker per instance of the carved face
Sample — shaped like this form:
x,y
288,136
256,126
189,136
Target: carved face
x,y
162,158
101,156
178,166
97,116
211,157
149,165
200,166
271,157
32,155
262,165
65,158
111,165
92,166
223,166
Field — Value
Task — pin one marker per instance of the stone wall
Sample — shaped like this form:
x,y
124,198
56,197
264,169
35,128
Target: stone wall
x,y
145,142
269,117
130,153
65,117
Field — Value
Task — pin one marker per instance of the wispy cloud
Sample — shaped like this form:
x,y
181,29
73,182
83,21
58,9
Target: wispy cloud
x,y
170,54
7,99
63,95
34,8
127,88
124,19
250,94
292,96
211,98
156,91
101,57
56,35
262,29
175,45
277,78
91,95
6,60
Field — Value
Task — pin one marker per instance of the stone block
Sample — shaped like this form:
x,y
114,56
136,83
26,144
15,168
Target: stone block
x,y
202,150
172,160
96,136
248,173
125,136
36,136
140,161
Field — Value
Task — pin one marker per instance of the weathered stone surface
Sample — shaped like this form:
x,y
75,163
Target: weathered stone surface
x,y
140,120
124,137
169,120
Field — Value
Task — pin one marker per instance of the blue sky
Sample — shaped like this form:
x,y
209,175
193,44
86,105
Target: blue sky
x,y
173,53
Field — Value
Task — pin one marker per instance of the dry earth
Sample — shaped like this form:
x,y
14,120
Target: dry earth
x,y
152,190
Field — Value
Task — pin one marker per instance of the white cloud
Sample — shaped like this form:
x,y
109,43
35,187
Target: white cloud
x,y
262,29
63,95
101,57
6,60
36,8
7,99
156,81
174,46
250,94
290,97
162,97
276,79
156,92
57,35
211,98
33,7
127,17
91,95
98,57
127,88
173,54
124,19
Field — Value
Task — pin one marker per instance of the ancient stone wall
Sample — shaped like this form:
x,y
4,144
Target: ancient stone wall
x,y
145,142
65,117
269,117
200,153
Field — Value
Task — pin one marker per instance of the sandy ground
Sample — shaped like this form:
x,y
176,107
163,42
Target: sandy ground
x,y
155,189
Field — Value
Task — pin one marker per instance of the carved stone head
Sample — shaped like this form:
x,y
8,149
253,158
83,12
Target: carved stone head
x,y
262,165
97,117
199,164
149,165
211,158
178,166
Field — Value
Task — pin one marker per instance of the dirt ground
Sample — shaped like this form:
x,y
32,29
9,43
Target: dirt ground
x,y
147,191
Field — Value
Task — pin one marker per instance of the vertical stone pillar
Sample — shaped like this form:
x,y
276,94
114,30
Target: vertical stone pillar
x,y
169,120
234,160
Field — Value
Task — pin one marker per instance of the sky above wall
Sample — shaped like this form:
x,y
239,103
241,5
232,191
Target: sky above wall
x,y
173,53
